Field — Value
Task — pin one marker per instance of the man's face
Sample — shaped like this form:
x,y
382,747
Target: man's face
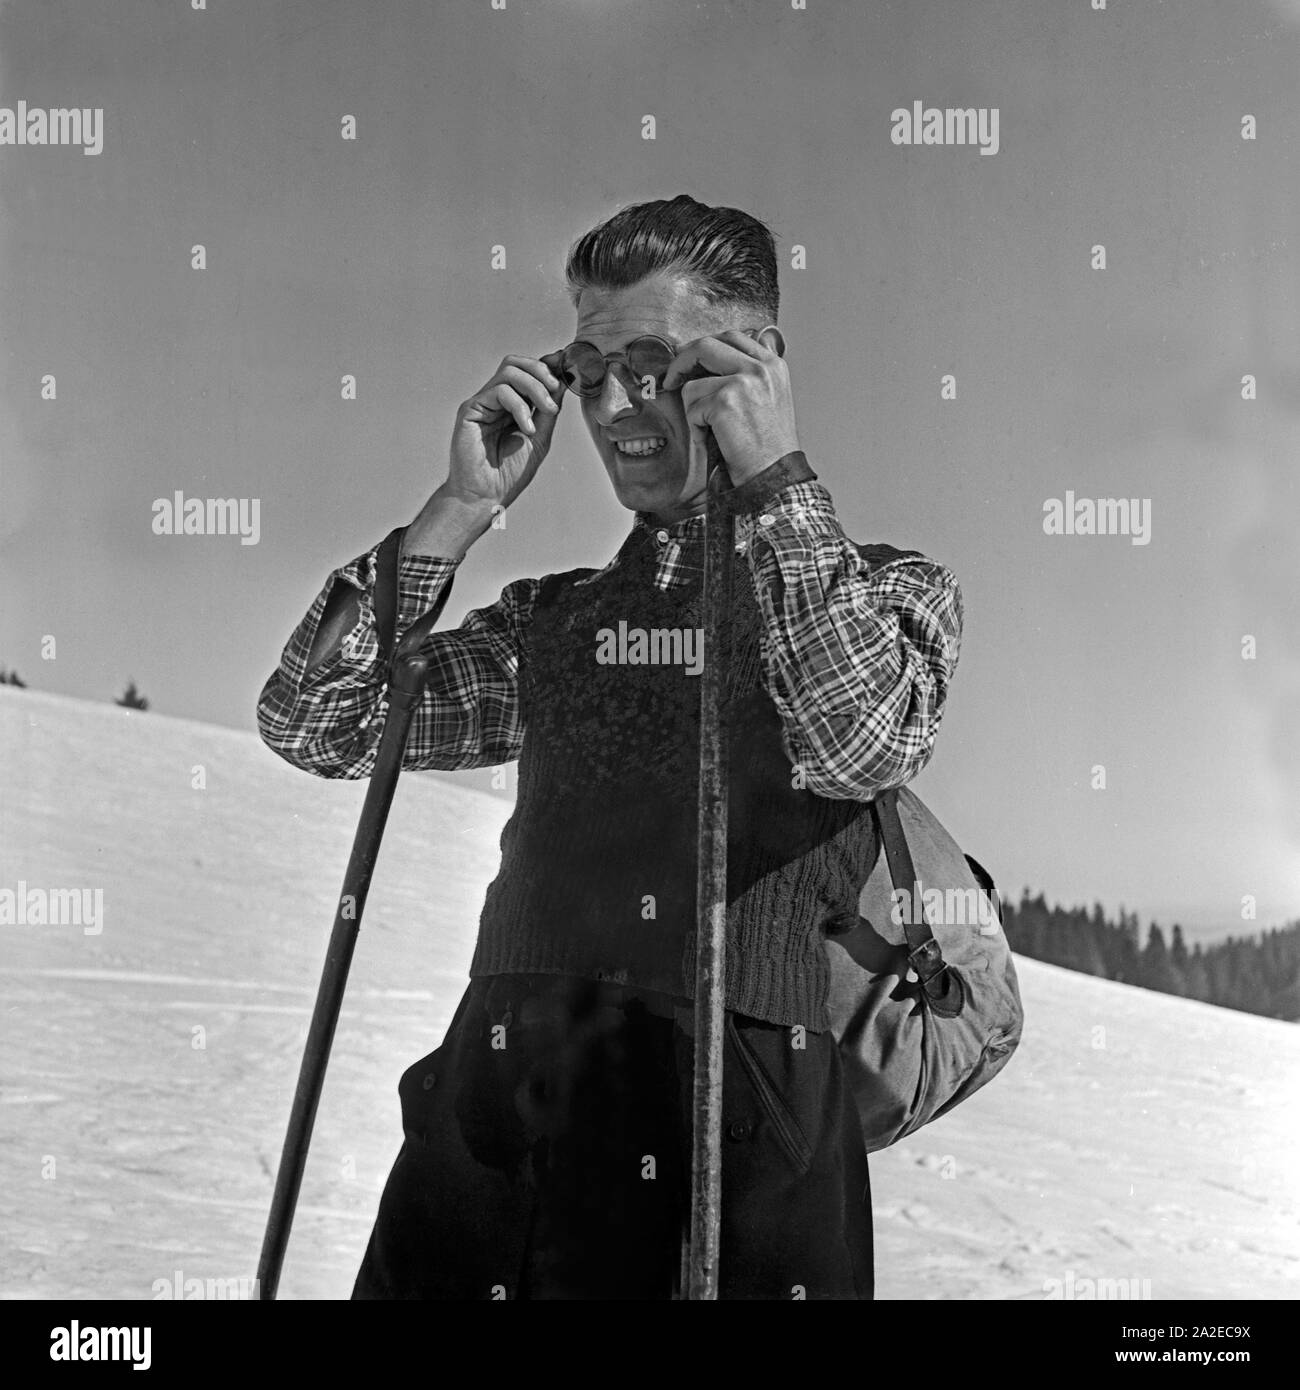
x,y
663,481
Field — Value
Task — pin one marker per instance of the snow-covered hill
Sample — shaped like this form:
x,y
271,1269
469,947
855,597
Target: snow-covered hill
x,y
148,1069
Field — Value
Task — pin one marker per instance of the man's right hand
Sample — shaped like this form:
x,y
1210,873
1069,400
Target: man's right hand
x,y
501,436
503,431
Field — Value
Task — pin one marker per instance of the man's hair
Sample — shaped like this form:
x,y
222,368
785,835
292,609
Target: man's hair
x,y
727,255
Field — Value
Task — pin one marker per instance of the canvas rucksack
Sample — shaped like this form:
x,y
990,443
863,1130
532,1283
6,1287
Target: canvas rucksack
x,y
913,1049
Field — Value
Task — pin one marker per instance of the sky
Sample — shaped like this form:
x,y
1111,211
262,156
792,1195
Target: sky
x,y
521,127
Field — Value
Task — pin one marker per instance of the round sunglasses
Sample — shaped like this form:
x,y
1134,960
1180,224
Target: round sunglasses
x,y
583,367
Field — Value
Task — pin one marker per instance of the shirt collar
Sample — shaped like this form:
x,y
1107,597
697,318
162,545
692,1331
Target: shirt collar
x,y
688,528
677,549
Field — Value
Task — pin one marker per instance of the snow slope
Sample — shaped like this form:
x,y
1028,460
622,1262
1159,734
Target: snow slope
x,y
1133,1137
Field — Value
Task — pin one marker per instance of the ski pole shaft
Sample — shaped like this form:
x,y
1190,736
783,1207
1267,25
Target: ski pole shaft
x,y
711,891
406,686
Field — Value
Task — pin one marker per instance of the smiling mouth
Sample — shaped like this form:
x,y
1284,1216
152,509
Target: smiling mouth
x,y
649,446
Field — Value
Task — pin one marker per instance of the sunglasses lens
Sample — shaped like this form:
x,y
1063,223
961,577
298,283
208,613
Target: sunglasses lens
x,y
583,369
648,357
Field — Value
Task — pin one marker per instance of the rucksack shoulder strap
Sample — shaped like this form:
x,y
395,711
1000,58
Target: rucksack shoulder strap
x,y
924,953
385,595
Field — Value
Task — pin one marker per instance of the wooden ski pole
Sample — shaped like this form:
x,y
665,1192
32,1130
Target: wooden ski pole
x,y
711,889
407,676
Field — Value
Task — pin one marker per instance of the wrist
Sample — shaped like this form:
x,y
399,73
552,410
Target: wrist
x,y
448,524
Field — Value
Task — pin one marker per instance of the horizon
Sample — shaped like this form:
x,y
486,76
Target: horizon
x,y
1202,933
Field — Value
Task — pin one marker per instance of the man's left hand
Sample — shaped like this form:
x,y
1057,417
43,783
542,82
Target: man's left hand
x,y
746,401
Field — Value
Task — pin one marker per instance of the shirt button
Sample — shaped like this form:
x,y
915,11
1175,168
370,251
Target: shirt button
x,y
766,519
739,1130
661,537
430,1080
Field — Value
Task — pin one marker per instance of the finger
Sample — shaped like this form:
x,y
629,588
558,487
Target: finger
x,y
697,399
507,398
537,367
750,346
554,362
700,436
711,355
531,387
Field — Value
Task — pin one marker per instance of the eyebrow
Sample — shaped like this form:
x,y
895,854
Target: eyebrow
x,y
671,341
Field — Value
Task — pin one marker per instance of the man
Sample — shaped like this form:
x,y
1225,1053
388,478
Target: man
x,y
547,1141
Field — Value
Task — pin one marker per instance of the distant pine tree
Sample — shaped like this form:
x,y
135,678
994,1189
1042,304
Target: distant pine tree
x,y
1128,954
1157,973
131,698
1198,978
12,678
1178,961
1178,949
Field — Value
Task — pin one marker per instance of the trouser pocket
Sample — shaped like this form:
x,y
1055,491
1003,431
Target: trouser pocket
x,y
426,1086
761,1051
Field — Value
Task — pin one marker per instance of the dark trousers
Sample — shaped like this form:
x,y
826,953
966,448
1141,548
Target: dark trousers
x,y
547,1155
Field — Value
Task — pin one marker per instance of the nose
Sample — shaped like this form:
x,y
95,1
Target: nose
x,y
613,400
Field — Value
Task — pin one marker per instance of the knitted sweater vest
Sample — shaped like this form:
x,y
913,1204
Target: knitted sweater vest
x,y
599,859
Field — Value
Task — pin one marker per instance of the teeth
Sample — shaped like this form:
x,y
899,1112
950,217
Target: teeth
x,y
639,447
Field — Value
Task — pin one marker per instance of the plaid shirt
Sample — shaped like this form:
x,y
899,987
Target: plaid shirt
x,y
857,657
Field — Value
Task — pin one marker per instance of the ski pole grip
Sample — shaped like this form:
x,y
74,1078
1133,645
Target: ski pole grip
x,y
716,476
409,668
409,673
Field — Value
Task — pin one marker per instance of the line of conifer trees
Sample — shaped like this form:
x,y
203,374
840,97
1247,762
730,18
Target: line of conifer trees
x,y
1258,974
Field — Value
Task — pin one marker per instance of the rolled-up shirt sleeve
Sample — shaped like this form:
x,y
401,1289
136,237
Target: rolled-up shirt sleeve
x,y
860,644
328,720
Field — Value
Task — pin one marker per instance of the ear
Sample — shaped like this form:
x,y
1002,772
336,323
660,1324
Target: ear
x,y
773,339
